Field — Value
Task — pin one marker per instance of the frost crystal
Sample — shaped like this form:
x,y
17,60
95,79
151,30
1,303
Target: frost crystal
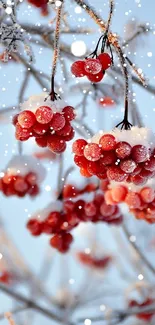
x,y
11,37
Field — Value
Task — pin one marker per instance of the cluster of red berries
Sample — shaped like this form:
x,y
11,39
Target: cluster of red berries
x,y
76,210
42,4
50,129
117,161
19,185
90,261
147,316
141,203
93,69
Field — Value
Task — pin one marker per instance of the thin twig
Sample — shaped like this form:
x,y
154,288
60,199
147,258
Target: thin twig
x,y
138,250
31,304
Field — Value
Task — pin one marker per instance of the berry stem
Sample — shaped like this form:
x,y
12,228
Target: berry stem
x,y
125,124
53,95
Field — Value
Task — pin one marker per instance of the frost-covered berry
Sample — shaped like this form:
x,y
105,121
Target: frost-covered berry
x,y
128,166
114,173
56,144
147,194
58,122
123,150
44,114
26,119
107,142
92,152
92,66
133,200
139,153
78,147
69,113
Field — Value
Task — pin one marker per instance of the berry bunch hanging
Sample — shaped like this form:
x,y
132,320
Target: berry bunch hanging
x,y
22,177
48,122
61,217
121,155
92,68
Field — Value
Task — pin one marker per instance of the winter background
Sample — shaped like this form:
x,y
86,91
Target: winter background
x,y
14,212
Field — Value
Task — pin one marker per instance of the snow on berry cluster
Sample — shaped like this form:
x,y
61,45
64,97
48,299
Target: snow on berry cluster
x,y
22,177
120,155
48,122
62,216
41,4
93,69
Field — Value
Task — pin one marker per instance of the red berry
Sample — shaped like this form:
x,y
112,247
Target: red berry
x,y
114,173
31,178
35,227
69,113
78,146
92,66
34,190
52,222
137,170
70,136
84,172
58,122
138,180
92,151
94,167
106,210
20,185
128,166
61,242
40,129
108,158
123,150
140,153
21,133
108,197
65,131
26,119
77,69
105,60
42,141
107,142
44,114
150,164
95,77
90,209
56,144
133,200
147,194
15,119
119,193
69,191
81,161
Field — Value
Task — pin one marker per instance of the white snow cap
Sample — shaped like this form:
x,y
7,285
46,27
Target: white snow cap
x,y
22,165
43,214
134,136
36,101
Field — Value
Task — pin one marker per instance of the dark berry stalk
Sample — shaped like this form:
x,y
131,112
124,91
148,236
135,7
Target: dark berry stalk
x,y
53,95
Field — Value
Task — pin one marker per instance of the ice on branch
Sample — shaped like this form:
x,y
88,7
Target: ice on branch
x,y
11,37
